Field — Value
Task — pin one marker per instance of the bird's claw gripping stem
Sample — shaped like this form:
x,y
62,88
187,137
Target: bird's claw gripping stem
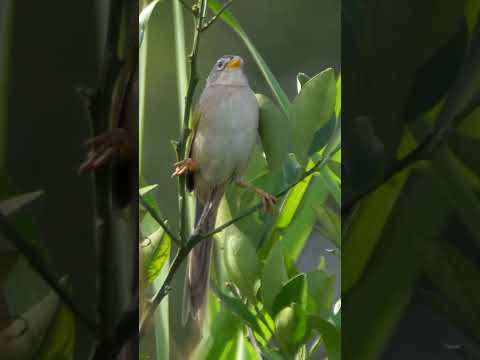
x,y
184,166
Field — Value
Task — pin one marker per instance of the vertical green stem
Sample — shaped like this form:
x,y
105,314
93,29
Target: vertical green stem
x,y
184,128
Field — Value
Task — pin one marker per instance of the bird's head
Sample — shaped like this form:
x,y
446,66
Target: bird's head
x,y
228,70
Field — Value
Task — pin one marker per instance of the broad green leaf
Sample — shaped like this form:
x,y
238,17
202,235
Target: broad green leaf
x,y
322,136
361,237
291,169
470,125
292,328
300,228
239,309
223,336
332,183
144,18
320,292
60,341
330,335
445,265
274,132
231,21
330,224
274,276
241,261
301,80
311,109
295,291
375,306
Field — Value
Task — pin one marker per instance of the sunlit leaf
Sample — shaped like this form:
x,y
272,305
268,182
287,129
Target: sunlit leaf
x,y
294,290
320,292
311,109
274,132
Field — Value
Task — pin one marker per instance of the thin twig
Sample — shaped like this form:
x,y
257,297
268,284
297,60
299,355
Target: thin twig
x,y
160,221
217,15
41,267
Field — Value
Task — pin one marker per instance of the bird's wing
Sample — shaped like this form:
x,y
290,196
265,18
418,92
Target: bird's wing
x,y
195,119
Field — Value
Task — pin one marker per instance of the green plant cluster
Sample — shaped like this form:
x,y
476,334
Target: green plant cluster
x,y
263,305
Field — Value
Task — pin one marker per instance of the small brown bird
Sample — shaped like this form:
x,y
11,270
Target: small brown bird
x,y
225,128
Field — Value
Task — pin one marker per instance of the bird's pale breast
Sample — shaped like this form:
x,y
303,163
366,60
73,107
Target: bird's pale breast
x,y
226,133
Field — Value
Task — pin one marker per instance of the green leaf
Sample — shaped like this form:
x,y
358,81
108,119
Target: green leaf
x,y
292,328
144,18
376,305
274,276
242,262
330,335
274,132
294,290
311,109
238,308
146,189
231,21
156,250
338,100
300,228
330,223
60,341
444,265
361,237
320,292
301,80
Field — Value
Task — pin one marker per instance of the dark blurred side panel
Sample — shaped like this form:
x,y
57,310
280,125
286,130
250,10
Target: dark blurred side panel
x,y
411,179
73,281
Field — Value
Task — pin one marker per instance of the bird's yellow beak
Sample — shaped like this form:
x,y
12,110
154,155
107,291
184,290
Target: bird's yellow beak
x,y
234,63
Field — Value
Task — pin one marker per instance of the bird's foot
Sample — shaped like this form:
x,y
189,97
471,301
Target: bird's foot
x,y
268,200
104,148
184,166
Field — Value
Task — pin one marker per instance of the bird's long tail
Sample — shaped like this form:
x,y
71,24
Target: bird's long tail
x,y
198,265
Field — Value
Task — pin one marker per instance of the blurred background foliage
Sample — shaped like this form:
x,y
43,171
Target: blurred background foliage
x,y
285,252
410,255
49,57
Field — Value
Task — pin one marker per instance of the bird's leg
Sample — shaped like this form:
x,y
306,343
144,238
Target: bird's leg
x,y
268,200
105,147
184,166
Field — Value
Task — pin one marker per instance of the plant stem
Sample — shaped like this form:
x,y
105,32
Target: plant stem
x,y
160,221
184,129
217,15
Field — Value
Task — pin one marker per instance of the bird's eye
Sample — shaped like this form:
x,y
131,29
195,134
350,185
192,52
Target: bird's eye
x,y
220,64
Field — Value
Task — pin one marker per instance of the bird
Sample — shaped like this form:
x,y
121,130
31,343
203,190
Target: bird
x,y
223,137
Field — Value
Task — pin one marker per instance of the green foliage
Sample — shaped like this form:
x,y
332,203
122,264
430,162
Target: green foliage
x,y
402,230
257,254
